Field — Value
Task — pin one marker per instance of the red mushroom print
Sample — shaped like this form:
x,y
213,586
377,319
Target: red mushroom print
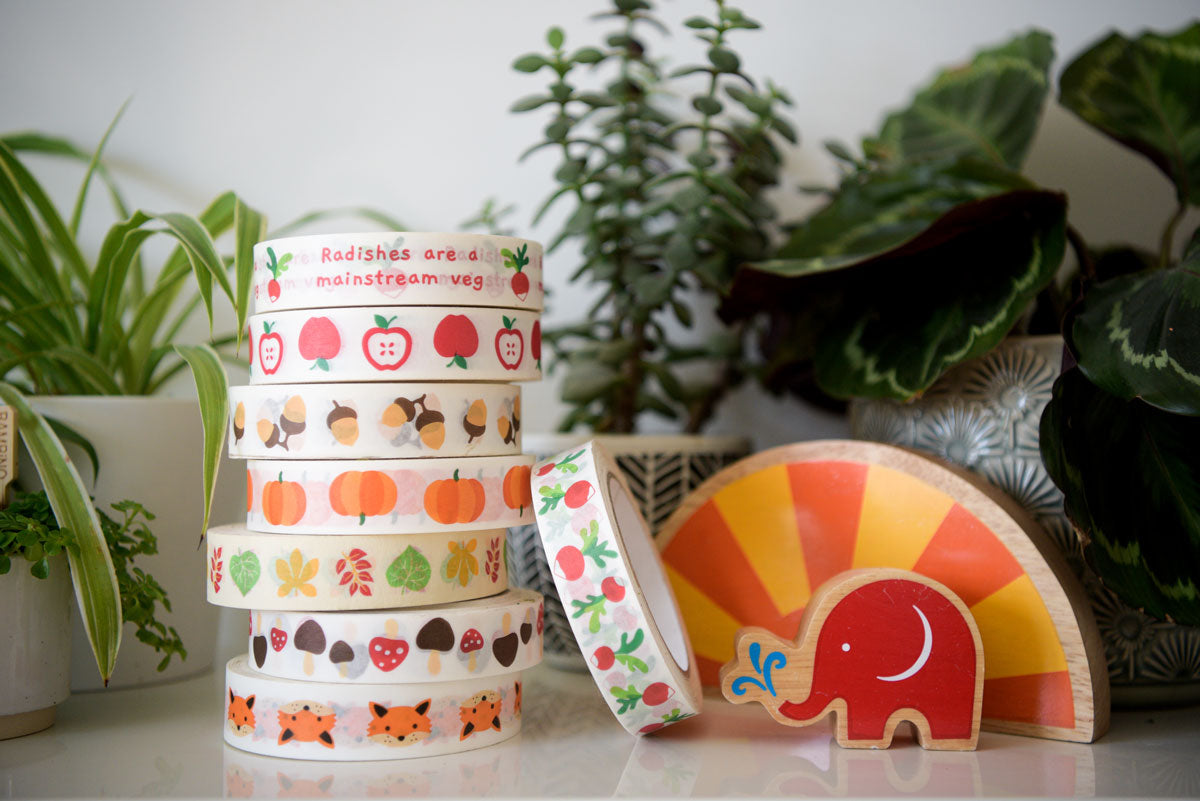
x,y
472,642
278,638
387,653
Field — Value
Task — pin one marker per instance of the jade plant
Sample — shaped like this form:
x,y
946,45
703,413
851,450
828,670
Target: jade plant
x,y
665,203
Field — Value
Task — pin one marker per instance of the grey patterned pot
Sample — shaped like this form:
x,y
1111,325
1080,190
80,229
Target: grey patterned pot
x,y
984,415
661,471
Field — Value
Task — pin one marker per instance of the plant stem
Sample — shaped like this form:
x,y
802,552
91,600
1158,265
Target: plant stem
x,y
1082,255
1168,236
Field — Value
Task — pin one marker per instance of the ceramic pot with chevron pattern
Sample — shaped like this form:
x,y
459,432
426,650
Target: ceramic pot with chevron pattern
x,y
984,415
661,471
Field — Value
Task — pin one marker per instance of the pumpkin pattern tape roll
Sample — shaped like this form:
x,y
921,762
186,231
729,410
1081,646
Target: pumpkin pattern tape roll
x,y
397,269
400,343
388,496
374,420
352,722
311,573
479,638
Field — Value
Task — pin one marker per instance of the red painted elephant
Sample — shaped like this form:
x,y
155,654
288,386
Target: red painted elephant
x,y
876,646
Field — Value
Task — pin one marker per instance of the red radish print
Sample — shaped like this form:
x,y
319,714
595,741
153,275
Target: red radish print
x,y
541,620
510,344
578,494
277,267
570,562
657,693
613,590
456,339
517,261
386,347
278,638
603,657
270,350
545,469
319,342
387,654
535,342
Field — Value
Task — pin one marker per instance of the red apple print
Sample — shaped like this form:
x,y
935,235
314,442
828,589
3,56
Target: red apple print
x,y
657,693
578,494
386,347
250,344
510,345
270,350
387,654
319,342
613,590
545,469
535,342
456,339
603,657
570,562
278,639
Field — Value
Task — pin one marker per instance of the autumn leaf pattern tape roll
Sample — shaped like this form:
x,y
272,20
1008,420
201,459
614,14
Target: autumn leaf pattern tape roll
x,y
397,269
351,722
401,343
447,642
309,573
374,420
614,587
388,496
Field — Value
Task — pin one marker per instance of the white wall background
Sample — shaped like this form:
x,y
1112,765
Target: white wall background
x,y
403,106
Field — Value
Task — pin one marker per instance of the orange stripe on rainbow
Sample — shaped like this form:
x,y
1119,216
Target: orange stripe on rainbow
x,y
1043,698
967,557
825,502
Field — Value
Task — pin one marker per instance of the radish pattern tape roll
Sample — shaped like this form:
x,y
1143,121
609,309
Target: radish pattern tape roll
x,y
388,496
397,269
614,587
350,722
298,572
374,420
479,638
395,344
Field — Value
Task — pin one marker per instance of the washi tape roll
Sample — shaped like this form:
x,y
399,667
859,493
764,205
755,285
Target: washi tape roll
x,y
374,421
486,637
297,572
613,585
351,722
395,344
388,496
397,269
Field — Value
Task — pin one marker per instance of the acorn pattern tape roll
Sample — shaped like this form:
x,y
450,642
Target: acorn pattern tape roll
x,y
613,585
308,573
397,269
348,722
388,496
486,637
395,344
374,420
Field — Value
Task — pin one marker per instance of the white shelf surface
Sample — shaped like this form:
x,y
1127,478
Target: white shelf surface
x,y
166,741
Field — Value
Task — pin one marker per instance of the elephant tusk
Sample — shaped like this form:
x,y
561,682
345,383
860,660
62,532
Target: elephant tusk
x,y
926,649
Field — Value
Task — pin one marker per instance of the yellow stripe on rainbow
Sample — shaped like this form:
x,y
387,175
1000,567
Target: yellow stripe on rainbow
x,y
900,514
1018,634
710,628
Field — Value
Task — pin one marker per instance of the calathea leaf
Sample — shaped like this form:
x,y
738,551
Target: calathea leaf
x,y
1132,485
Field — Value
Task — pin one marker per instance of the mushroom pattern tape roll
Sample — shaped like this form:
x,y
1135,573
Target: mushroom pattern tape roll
x,y
350,722
612,583
382,343
298,572
374,420
486,637
388,496
397,269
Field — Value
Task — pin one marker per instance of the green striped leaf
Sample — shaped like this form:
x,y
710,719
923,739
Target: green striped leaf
x,y
212,388
249,227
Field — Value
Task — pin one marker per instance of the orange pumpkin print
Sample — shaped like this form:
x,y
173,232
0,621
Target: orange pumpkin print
x,y
241,714
455,500
518,491
283,502
306,722
362,494
480,713
249,491
399,725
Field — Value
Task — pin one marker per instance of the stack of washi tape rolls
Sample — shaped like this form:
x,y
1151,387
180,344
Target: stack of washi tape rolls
x,y
383,435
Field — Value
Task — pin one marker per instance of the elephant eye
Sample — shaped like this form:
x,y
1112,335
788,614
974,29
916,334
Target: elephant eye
x,y
845,646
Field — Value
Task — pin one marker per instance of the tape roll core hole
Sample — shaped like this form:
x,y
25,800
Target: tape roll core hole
x,y
648,572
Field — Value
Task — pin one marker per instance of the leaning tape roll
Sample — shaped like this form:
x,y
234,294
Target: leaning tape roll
x,y
389,496
350,722
614,587
373,420
447,642
397,269
298,572
381,343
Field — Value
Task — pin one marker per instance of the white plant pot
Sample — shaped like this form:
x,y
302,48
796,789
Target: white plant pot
x,y
150,451
35,647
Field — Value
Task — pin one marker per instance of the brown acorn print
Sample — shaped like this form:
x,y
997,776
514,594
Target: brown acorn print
x,y
504,427
268,432
239,422
431,425
475,420
516,417
343,424
398,412
292,419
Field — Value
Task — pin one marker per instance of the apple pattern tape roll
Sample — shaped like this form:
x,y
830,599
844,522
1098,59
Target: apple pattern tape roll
x,y
374,421
615,590
388,496
395,344
479,638
397,269
353,722
314,573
